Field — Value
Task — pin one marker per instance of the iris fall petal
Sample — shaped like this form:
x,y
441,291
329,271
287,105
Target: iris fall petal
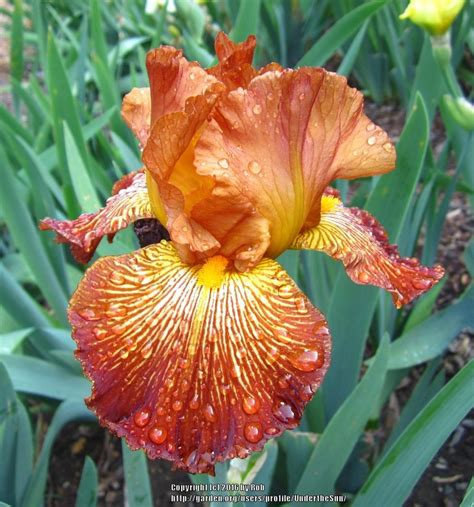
x,y
129,202
354,237
192,373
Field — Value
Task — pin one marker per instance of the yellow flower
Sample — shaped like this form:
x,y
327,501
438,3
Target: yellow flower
x,y
436,16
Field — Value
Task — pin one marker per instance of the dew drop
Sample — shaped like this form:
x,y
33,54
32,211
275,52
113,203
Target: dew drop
x,y
158,435
87,314
235,371
301,307
363,277
169,383
422,284
309,360
99,333
209,413
285,291
191,458
257,109
170,447
161,411
271,431
124,354
224,163
388,147
194,403
177,405
283,381
146,351
371,140
301,96
117,278
192,76
250,405
183,363
285,413
142,418
253,432
370,127
254,167
115,310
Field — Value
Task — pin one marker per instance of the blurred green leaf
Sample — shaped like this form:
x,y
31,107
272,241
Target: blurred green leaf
x,y
247,20
137,480
16,47
67,412
468,500
298,447
339,33
42,378
9,341
87,491
398,471
432,336
26,237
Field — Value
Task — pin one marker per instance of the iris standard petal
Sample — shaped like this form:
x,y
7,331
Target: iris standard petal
x,y
196,364
280,142
136,112
354,237
129,202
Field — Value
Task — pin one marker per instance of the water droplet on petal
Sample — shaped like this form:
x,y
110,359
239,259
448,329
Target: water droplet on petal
x,y
142,418
371,140
209,413
157,435
388,147
301,307
285,291
301,96
192,76
272,355
285,413
191,458
370,127
194,403
161,411
224,163
177,405
271,431
253,432
422,284
309,360
99,333
250,405
257,109
117,278
254,167
87,314
363,277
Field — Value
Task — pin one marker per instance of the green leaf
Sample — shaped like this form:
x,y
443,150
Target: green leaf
x,y
26,237
16,47
431,337
297,446
18,303
468,500
81,182
335,445
389,203
98,41
395,475
67,412
8,423
24,452
137,480
35,376
87,492
262,471
247,20
349,59
339,33
10,341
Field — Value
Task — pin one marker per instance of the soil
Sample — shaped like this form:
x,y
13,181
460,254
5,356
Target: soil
x,y
442,485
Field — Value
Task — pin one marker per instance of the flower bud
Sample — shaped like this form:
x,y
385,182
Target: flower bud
x,y
461,111
435,16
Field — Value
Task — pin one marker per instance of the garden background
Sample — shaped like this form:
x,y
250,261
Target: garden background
x,y
393,422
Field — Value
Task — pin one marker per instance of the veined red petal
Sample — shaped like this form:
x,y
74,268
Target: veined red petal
x,y
194,371
354,237
129,202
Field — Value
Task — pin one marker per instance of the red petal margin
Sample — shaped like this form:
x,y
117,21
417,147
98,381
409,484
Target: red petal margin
x,y
129,202
192,374
354,237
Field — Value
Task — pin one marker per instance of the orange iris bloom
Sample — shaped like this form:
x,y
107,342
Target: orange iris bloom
x,y
202,348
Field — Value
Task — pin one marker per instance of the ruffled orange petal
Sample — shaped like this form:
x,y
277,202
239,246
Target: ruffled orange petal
x,y
282,140
136,112
129,202
194,371
235,61
173,80
354,236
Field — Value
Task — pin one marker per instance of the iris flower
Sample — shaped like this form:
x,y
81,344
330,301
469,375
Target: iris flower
x,y
201,348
